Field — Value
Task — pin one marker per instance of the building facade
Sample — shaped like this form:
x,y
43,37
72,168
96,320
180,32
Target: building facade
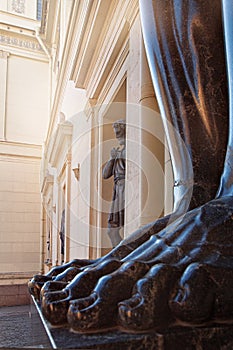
x,y
98,48
24,107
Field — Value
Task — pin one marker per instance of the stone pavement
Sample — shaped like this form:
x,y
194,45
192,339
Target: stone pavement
x,y
21,327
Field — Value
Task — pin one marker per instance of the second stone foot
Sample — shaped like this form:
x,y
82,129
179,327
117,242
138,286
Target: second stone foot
x,y
149,305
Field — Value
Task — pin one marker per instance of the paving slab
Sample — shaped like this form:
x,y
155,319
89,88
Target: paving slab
x,y
21,327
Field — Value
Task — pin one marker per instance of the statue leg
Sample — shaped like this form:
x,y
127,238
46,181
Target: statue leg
x,y
226,183
186,105
114,235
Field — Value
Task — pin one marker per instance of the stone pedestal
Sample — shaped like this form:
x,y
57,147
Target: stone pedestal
x,y
207,338
217,337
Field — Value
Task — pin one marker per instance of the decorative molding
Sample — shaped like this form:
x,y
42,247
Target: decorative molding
x,y
18,6
18,157
47,184
20,150
103,66
68,157
18,42
21,144
91,38
95,58
16,275
59,145
80,12
89,108
117,74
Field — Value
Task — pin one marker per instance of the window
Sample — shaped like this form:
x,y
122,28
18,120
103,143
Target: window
x,y
39,10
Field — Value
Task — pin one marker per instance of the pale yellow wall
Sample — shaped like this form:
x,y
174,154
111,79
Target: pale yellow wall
x,y
24,99
3,5
30,8
19,214
27,100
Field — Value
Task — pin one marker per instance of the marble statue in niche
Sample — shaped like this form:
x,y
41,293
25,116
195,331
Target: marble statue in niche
x,y
116,167
62,235
178,269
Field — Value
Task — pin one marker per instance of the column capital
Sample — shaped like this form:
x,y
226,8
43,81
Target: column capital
x,y
147,91
68,158
89,108
4,54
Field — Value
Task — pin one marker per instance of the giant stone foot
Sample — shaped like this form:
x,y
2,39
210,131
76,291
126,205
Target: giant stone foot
x,y
205,294
63,273
55,302
197,287
149,305
66,272
99,310
180,275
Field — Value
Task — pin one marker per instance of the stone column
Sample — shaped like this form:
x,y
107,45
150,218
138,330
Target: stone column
x,y
94,230
42,237
152,148
67,208
132,191
3,92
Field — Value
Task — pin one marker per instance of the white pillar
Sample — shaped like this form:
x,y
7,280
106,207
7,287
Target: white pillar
x,y
67,207
133,145
152,149
3,92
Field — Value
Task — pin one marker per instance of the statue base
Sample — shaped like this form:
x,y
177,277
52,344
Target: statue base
x,y
210,338
217,337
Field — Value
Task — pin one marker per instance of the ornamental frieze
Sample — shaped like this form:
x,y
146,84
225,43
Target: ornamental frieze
x,y
18,42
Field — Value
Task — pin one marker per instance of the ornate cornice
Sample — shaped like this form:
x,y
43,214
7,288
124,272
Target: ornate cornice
x,y
60,143
48,182
104,40
80,12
